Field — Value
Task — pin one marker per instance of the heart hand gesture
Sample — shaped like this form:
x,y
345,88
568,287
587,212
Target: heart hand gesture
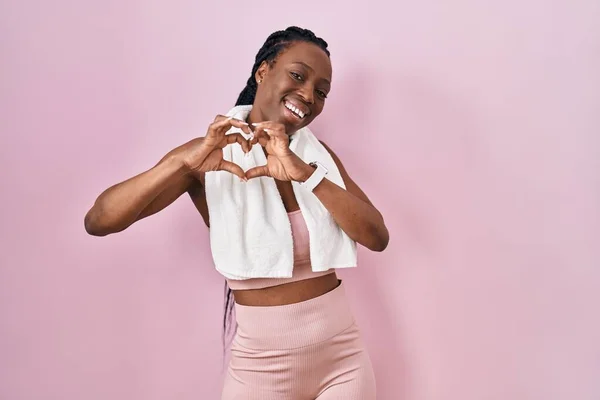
x,y
282,163
206,154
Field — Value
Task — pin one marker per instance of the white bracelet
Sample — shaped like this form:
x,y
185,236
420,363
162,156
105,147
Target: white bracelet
x,y
316,177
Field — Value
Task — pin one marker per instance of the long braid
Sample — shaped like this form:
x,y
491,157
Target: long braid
x,y
275,43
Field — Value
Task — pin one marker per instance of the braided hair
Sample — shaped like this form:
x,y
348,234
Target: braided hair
x,y
275,43
273,46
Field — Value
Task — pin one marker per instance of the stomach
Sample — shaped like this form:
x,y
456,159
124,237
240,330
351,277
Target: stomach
x,y
287,293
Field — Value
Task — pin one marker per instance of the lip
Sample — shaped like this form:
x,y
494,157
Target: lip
x,y
299,105
291,117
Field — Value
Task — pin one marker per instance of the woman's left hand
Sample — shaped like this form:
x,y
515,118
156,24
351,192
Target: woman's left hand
x,y
282,163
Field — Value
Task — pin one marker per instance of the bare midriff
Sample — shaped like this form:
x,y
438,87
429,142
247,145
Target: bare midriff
x,y
287,293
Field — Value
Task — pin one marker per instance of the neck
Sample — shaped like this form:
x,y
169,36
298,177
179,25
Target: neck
x,y
255,115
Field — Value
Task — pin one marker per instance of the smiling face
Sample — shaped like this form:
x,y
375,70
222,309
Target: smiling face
x,y
293,88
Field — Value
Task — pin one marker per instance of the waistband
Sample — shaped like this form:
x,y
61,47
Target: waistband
x,y
293,325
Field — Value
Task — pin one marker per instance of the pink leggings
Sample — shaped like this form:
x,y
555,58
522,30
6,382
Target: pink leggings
x,y
309,350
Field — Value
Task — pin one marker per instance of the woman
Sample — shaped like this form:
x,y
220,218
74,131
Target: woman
x,y
296,337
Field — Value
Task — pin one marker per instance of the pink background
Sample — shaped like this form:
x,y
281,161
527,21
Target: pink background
x,y
474,128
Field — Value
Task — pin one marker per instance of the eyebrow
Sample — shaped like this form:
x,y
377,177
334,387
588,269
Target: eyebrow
x,y
311,68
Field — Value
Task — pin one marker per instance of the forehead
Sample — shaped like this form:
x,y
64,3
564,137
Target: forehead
x,y
309,54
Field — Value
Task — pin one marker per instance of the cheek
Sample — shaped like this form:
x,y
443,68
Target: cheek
x,y
319,107
287,83
270,96
278,89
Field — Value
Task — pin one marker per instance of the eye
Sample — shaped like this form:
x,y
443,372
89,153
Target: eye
x,y
322,94
296,76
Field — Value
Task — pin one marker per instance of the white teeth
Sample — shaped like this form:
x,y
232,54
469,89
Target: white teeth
x,y
294,109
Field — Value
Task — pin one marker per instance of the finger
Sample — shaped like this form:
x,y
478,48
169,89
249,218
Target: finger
x,y
277,139
222,118
233,168
261,137
217,126
257,171
273,129
258,131
223,124
238,138
270,125
255,140
243,125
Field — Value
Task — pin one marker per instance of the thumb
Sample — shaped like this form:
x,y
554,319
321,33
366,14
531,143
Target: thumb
x,y
257,171
233,168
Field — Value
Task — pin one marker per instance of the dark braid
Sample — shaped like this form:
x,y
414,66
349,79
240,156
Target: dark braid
x,y
275,43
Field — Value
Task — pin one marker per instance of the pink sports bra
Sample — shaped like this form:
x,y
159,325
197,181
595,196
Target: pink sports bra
x,y
302,268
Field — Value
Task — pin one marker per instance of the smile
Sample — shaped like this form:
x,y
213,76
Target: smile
x,y
298,113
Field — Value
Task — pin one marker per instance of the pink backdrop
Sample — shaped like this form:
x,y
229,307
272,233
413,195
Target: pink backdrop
x,y
473,128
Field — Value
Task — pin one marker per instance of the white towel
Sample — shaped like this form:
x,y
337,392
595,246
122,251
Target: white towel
x,y
250,233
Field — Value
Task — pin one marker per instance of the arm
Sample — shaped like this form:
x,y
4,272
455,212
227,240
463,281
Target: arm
x,y
138,197
351,209
149,192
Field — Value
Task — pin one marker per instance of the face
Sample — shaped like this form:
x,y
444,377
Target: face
x,y
293,89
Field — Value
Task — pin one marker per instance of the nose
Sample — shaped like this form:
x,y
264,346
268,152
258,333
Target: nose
x,y
307,93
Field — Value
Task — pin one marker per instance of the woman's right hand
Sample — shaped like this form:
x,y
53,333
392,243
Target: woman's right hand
x,y
206,154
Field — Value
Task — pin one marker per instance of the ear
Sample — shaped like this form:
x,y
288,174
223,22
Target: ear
x,y
261,72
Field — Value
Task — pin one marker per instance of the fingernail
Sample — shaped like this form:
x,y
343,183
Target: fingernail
x,y
256,123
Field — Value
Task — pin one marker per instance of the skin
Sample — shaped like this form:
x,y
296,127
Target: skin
x,y
300,75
